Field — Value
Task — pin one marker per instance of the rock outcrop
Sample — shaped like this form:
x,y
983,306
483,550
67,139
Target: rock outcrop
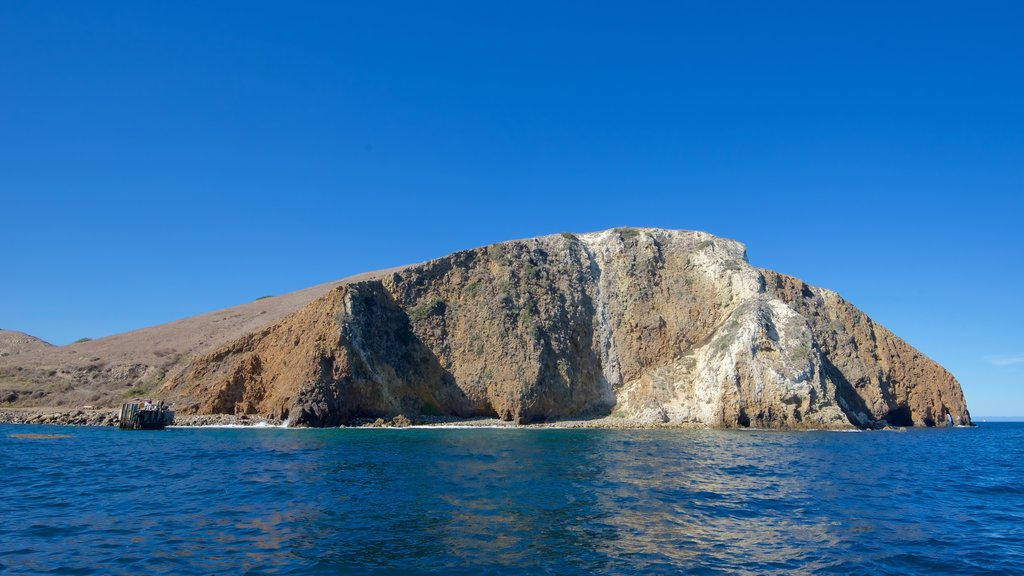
x,y
651,325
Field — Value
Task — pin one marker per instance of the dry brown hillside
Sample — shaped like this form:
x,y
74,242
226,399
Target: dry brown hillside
x,y
105,371
12,342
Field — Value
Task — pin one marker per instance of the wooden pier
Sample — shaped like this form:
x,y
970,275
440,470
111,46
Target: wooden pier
x,y
135,418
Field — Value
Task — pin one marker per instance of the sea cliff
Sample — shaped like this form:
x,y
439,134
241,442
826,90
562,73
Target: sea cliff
x,y
649,325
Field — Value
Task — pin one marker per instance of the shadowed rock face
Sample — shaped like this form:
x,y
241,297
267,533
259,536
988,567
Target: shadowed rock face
x,y
653,325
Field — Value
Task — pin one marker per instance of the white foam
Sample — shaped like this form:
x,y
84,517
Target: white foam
x,y
457,426
431,427
256,425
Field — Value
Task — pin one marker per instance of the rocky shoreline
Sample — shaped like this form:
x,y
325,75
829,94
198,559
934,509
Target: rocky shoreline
x,y
109,417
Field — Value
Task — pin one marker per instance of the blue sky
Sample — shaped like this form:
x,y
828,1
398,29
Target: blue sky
x,y
163,159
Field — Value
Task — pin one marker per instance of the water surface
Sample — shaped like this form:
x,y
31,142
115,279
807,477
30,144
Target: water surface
x,y
512,501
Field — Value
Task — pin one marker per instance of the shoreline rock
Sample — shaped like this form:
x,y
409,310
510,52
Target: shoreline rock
x,y
83,417
66,417
110,417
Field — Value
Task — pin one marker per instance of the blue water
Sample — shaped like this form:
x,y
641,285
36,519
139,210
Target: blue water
x,y
270,501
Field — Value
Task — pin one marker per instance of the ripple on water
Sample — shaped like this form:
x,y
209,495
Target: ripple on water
x,y
270,501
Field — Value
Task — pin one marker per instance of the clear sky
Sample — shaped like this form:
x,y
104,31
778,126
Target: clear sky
x,y
163,159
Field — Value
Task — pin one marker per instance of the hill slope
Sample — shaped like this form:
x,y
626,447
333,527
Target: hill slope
x,y
106,371
13,342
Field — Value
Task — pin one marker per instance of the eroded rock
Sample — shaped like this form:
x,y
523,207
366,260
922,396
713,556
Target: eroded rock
x,y
655,325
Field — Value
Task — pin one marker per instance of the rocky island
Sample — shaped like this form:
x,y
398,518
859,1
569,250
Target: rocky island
x,y
637,325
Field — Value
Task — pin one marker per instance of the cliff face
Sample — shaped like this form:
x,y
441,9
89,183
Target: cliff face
x,y
647,324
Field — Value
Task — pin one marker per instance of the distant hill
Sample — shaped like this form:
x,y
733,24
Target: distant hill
x,y
12,343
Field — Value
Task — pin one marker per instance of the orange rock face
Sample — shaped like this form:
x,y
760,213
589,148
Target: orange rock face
x,y
655,326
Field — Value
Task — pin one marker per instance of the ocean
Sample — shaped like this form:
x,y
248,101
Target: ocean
x,y
511,501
